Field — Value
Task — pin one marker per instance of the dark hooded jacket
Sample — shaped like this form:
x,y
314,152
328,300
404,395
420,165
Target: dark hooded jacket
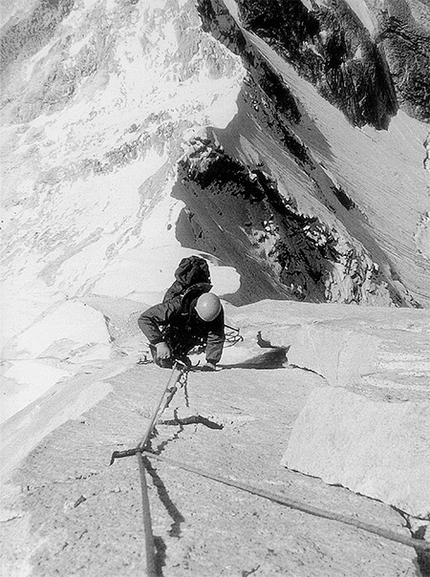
x,y
177,323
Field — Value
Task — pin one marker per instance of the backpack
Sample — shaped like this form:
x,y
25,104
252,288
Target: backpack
x,y
179,334
192,280
192,270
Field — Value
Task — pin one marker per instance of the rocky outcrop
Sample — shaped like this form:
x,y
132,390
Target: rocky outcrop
x,y
330,47
407,47
378,449
305,258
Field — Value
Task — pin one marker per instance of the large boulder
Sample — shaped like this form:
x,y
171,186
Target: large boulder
x,y
378,449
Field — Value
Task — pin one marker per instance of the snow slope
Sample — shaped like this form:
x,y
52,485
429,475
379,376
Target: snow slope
x,y
105,107
88,166
97,110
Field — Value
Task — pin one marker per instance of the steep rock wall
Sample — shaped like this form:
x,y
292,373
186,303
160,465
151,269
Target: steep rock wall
x,y
332,49
277,124
366,77
237,213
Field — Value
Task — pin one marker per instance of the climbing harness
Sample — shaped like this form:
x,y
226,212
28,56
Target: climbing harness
x,y
232,336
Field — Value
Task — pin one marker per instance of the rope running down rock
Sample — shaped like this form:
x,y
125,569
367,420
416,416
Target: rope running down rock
x,y
300,506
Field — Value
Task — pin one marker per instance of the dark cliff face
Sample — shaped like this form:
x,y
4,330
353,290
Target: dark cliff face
x,y
407,48
366,79
299,256
333,50
238,214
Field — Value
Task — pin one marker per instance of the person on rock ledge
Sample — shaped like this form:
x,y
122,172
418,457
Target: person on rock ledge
x,y
176,326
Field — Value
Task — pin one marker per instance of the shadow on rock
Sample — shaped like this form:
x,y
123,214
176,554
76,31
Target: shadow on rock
x,y
273,358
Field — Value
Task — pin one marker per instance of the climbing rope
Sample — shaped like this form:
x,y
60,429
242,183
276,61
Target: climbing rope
x,y
151,562
179,371
178,376
294,504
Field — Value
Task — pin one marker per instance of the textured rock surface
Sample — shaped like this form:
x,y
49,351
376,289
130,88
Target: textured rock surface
x,y
299,256
332,48
284,127
65,511
378,449
72,514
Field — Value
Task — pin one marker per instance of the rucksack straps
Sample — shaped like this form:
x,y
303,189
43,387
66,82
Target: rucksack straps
x,y
192,270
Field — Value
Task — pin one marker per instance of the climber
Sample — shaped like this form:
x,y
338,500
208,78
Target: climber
x,y
176,326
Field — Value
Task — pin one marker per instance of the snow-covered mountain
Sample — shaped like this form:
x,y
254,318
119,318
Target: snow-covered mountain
x,y
282,148
118,119
285,141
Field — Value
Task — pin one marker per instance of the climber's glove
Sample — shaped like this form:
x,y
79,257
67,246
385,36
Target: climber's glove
x,y
163,351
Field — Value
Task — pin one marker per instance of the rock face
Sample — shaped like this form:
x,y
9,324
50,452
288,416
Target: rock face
x,y
100,100
378,449
70,513
332,48
297,256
